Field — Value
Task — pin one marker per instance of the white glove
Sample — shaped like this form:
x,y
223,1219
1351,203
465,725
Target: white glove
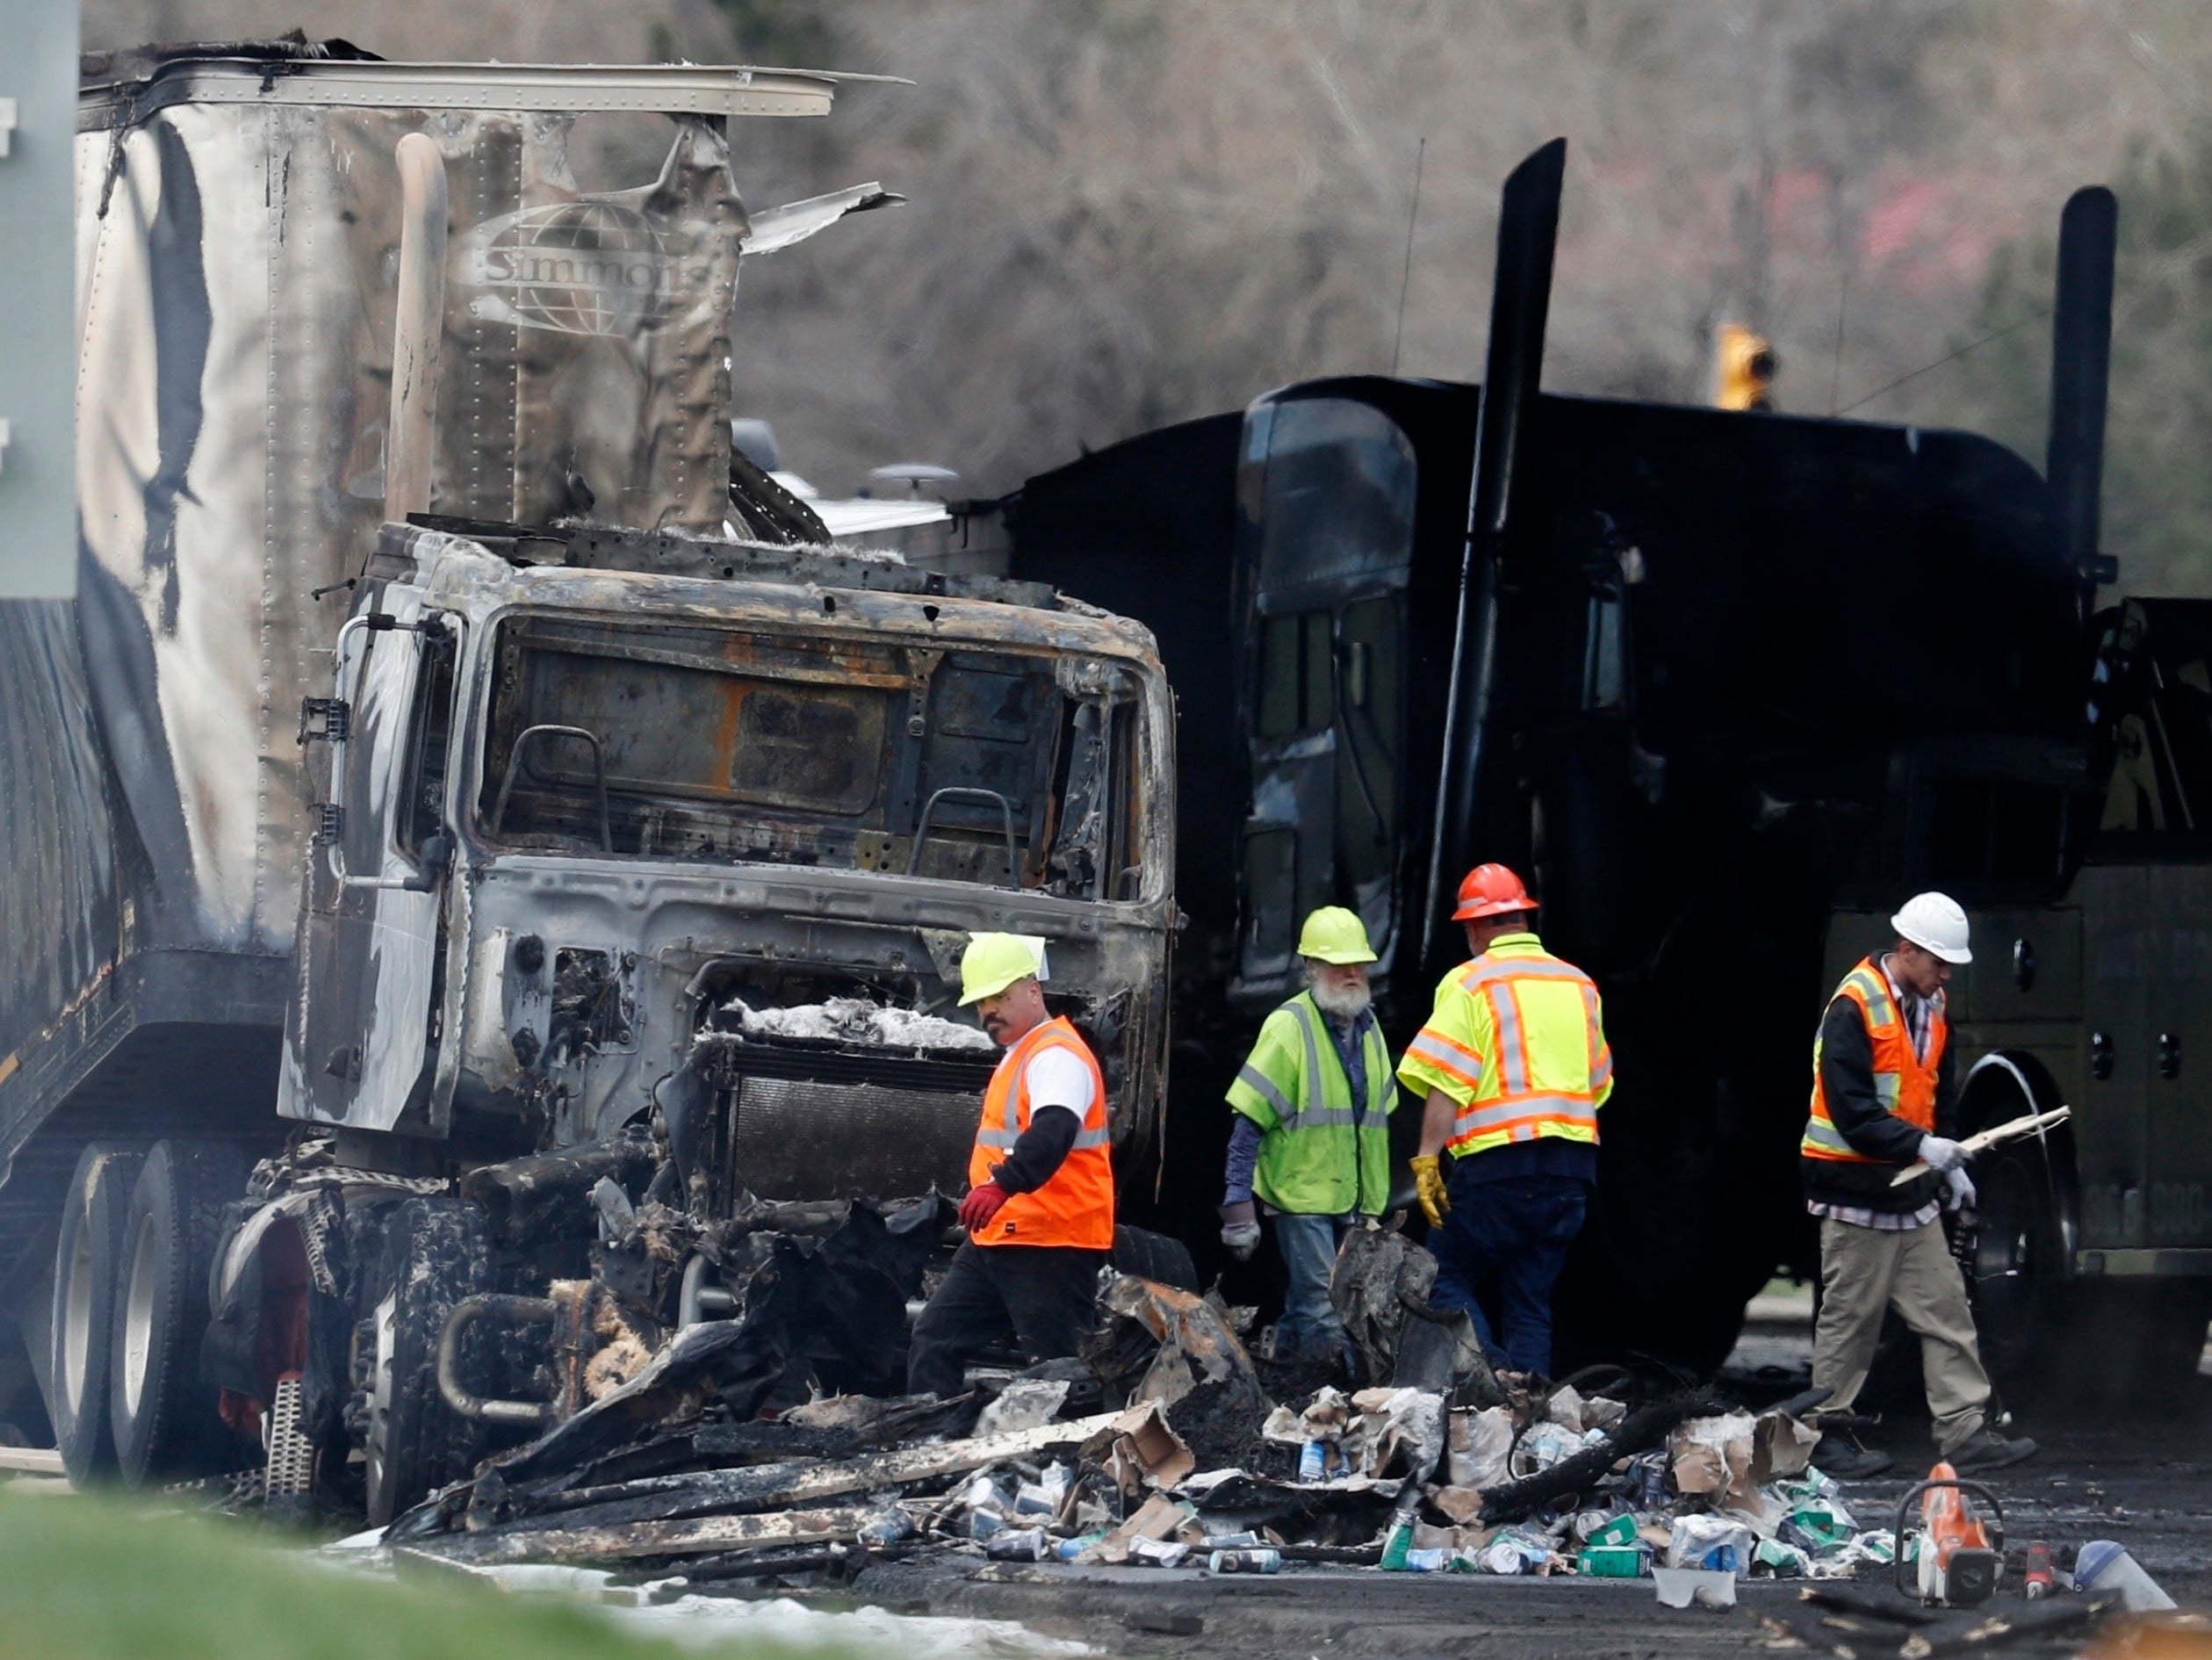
x,y
1242,1238
1939,1152
1958,1190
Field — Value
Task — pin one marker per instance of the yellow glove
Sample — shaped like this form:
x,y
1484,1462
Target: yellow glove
x,y
1428,1180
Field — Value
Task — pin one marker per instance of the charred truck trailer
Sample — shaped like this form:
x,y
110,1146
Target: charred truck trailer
x,y
1729,687
415,876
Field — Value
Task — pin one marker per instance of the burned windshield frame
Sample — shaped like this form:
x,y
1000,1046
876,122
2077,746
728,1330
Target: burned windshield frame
x,y
759,743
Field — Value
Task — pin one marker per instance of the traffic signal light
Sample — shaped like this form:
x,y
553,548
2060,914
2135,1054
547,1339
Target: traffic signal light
x,y
1743,369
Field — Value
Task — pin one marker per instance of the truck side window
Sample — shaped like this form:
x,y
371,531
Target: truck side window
x,y
2134,801
1370,713
1297,675
421,813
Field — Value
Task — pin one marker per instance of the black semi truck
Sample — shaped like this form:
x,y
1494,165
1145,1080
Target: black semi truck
x,y
1726,688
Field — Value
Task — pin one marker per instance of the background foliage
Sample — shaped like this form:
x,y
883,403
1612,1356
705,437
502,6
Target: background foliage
x,y
1127,212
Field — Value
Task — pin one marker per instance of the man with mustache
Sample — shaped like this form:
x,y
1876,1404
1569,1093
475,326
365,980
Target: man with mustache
x,y
1040,1205
1312,1139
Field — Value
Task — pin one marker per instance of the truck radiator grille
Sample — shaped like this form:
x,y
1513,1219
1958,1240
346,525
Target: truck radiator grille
x,y
801,1139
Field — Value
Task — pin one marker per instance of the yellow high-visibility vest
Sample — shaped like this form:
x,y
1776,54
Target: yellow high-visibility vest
x,y
1517,1041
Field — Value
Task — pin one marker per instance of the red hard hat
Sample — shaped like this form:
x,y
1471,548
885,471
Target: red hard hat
x,y
1491,890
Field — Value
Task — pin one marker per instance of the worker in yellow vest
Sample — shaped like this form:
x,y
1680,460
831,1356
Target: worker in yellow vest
x,y
1510,1069
1312,1137
1883,1099
1040,1205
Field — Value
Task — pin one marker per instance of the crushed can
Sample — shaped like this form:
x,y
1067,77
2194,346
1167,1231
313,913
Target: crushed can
x,y
1245,1561
1069,1549
1610,1562
1157,1553
1313,1461
1428,1562
981,1524
1032,1499
887,1527
1596,1528
1022,1544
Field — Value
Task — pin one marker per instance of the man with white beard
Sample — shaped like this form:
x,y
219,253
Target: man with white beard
x,y
1312,1139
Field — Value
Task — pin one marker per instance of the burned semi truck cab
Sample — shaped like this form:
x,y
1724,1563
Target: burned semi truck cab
x,y
608,809
653,855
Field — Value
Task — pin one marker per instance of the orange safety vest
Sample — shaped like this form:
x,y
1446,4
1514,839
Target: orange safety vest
x,y
1076,1207
1905,1082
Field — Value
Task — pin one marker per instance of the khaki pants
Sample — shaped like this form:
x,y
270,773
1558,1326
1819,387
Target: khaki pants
x,y
1864,1272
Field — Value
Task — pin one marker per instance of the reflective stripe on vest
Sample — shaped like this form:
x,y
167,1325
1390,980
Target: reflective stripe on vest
x,y
1903,1080
1076,1206
1511,1103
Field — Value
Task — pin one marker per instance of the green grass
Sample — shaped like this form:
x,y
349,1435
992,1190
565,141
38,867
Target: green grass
x,y
91,1578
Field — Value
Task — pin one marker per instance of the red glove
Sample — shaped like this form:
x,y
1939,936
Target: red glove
x,y
981,1205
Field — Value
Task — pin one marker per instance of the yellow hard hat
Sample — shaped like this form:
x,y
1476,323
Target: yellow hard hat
x,y
1335,935
991,963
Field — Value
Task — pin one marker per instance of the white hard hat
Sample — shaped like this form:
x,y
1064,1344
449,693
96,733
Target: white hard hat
x,y
1934,923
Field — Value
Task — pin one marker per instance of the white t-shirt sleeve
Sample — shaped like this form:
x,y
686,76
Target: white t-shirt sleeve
x,y
1058,1078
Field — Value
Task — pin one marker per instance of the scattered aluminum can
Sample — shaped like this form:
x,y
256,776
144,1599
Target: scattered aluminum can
x,y
1246,1562
1023,1544
981,1524
887,1527
1158,1553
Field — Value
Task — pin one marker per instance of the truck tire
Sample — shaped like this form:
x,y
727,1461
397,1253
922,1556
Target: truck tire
x,y
163,1417
2023,1303
1154,1256
85,1259
437,1252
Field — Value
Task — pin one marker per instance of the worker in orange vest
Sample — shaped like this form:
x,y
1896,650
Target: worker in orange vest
x,y
1884,1101
1510,1069
1040,1205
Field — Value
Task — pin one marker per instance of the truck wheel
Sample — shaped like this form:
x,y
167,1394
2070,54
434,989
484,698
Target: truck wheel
x,y
164,1418
436,1253
85,1259
1154,1256
2021,1293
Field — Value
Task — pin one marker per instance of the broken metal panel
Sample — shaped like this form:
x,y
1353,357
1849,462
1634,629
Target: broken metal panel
x,y
781,227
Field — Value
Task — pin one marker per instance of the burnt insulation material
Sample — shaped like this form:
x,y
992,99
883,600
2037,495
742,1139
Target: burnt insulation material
x,y
1219,1421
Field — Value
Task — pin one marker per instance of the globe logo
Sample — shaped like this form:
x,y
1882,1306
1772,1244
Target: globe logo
x,y
576,268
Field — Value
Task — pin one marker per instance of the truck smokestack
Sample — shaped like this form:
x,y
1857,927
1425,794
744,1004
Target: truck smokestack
x,y
418,329
2080,365
1520,302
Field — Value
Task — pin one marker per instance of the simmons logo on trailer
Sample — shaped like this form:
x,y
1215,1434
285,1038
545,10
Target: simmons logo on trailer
x,y
577,268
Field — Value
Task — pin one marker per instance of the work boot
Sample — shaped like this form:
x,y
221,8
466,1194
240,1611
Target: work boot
x,y
1986,1449
1838,1454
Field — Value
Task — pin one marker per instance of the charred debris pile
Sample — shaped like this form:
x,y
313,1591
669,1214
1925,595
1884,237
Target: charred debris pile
x,y
718,1401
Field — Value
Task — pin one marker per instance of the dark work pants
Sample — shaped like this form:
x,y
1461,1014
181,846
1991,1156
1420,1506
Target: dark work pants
x,y
1047,1295
1519,1229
